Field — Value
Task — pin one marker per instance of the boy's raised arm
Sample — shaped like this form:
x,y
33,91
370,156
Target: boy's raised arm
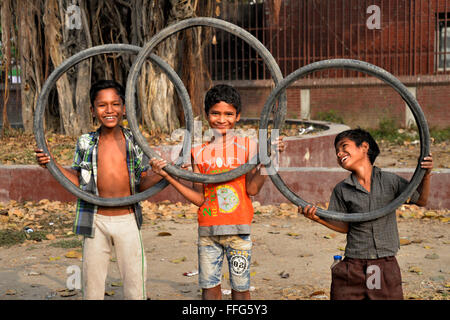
x,y
43,158
148,180
310,213
256,177
193,195
424,187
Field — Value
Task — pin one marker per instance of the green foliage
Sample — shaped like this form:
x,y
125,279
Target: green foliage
x,y
72,243
388,126
440,135
11,237
330,116
37,235
388,130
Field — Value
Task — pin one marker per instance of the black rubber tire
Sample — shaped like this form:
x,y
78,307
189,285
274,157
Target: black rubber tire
x,y
39,121
149,47
380,74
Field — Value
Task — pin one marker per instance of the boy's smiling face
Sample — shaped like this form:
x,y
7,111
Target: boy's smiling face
x,y
222,117
108,108
349,155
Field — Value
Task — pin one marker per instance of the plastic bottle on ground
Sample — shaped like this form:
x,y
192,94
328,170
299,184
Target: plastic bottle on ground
x,y
337,259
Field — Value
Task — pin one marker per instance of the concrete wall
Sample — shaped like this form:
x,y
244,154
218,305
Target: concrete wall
x,y
32,183
308,168
360,102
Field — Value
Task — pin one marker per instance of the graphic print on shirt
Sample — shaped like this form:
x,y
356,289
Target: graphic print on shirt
x,y
210,198
224,203
228,198
219,162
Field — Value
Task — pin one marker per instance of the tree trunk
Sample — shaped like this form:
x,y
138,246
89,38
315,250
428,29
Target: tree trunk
x,y
45,41
155,91
274,7
27,86
83,84
73,87
55,40
161,110
195,74
6,26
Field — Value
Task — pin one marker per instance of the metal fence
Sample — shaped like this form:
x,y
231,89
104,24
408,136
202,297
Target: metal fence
x,y
405,37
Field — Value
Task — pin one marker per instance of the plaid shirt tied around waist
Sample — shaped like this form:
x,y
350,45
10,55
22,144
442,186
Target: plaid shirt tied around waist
x,y
85,162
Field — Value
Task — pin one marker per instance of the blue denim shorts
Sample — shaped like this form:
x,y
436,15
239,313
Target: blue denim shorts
x,y
211,252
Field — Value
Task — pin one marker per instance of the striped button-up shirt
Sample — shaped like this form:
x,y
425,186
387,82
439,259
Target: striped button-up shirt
x,y
85,162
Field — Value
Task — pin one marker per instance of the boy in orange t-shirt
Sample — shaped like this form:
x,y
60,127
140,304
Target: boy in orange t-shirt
x,y
225,209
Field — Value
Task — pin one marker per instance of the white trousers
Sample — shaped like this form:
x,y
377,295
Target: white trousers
x,y
122,231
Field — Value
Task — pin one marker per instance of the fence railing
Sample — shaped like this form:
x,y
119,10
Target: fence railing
x,y
405,37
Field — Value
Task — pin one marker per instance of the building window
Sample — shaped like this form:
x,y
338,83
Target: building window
x,y
443,42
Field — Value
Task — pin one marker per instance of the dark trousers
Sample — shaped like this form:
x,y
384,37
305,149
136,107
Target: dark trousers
x,y
357,279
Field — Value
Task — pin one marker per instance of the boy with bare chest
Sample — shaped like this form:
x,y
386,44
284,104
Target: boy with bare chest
x,y
113,180
109,163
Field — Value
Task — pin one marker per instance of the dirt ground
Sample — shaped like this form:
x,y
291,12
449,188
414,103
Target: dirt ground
x,y
405,156
291,257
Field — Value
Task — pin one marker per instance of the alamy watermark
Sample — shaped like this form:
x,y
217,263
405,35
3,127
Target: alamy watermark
x,y
74,279
73,17
225,158
373,273
374,20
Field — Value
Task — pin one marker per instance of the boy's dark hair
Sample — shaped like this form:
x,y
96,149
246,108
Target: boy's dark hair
x,y
106,84
225,93
359,136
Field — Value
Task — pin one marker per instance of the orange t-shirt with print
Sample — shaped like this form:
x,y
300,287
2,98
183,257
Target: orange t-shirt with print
x,y
226,203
